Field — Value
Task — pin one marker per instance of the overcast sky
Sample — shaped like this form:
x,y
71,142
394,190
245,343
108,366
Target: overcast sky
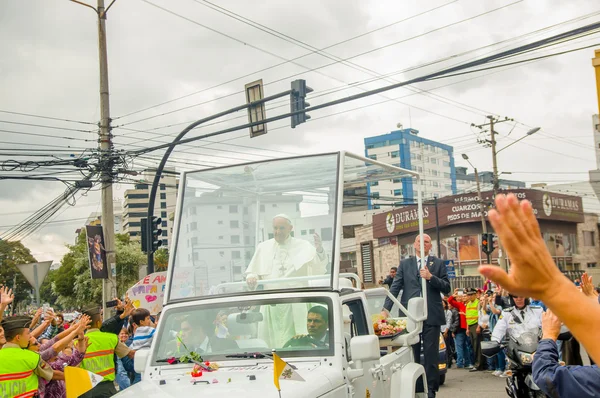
x,y
49,67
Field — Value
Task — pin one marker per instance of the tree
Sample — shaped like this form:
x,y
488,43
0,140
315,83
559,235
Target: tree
x,y
46,293
161,259
11,255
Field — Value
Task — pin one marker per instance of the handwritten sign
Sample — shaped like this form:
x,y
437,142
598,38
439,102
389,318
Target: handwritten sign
x,y
149,292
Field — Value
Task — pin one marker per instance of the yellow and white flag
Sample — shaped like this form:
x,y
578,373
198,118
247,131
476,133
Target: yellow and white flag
x,y
283,371
79,381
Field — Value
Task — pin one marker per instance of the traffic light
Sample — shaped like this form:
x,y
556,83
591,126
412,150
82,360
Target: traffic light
x,y
144,232
156,233
298,101
487,243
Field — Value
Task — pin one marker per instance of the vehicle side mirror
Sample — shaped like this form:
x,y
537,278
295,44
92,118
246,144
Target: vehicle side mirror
x,y
490,348
416,307
565,333
141,359
363,348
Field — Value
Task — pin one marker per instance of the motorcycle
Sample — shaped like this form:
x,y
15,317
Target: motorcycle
x,y
520,347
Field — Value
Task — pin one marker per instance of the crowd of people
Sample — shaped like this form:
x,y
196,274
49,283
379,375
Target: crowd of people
x,y
34,351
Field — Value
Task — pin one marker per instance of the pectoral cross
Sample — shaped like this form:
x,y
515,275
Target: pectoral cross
x,y
282,270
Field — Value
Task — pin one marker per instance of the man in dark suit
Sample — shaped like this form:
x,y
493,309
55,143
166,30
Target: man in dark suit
x,y
408,279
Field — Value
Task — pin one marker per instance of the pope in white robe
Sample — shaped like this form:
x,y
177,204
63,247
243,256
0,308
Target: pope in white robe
x,y
285,257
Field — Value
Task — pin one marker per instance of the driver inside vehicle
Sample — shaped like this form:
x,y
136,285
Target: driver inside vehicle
x,y
317,325
197,335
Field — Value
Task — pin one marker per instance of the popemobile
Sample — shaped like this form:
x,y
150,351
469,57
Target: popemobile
x,y
255,304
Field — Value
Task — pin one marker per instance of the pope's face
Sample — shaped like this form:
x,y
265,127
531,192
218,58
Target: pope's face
x,y
281,229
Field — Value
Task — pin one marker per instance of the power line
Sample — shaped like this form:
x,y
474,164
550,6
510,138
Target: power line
x,y
308,69
44,117
46,135
293,59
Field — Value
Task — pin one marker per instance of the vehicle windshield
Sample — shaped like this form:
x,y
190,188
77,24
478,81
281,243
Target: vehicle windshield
x,y
267,225
292,327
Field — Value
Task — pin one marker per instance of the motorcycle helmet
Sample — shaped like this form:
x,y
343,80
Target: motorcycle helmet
x,y
512,301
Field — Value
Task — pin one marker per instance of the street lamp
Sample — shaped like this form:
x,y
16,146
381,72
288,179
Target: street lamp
x,y
530,132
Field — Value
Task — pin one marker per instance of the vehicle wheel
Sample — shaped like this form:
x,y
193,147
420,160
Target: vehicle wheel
x,y
442,379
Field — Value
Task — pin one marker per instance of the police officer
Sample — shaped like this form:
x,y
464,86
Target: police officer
x,y
19,367
520,317
99,357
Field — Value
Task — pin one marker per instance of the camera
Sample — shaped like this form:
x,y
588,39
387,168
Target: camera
x,y
489,293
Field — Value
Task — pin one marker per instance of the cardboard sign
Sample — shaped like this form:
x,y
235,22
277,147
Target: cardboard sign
x,y
149,292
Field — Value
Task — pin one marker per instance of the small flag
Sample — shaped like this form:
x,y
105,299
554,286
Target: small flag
x,y
79,381
282,370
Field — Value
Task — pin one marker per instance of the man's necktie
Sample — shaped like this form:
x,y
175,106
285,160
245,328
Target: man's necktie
x,y
523,315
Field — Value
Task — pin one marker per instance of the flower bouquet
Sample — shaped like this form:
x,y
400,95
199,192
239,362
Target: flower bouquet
x,y
388,328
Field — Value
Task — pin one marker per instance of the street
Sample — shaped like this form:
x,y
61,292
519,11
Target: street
x,y
464,384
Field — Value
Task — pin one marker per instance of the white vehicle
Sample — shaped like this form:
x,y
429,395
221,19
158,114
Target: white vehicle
x,y
317,322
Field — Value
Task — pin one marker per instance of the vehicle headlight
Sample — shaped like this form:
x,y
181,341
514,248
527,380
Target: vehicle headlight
x,y
526,359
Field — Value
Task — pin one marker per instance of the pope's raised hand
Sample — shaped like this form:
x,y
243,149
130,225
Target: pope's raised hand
x,y
318,243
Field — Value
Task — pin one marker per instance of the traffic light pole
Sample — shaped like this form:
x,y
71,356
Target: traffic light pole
x,y
483,223
163,162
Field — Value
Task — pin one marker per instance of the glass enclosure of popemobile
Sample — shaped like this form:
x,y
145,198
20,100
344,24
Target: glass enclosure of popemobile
x,y
246,236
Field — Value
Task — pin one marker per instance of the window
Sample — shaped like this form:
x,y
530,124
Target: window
x,y
237,269
235,239
165,242
419,157
222,254
234,224
163,196
194,240
246,240
133,233
375,195
164,224
137,205
163,187
433,160
222,268
221,237
311,231
274,204
192,211
395,154
220,222
270,236
303,232
193,226
435,184
163,214
348,231
236,255
588,238
219,207
397,180
165,232
397,192
376,207
374,183
413,156
137,214
374,157
137,196
327,233
248,255
448,187
262,208
591,265
141,186
163,205
233,209
447,175
366,253
195,256
446,163
135,224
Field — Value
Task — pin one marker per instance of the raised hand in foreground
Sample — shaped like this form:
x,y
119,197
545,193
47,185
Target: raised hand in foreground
x,y
533,273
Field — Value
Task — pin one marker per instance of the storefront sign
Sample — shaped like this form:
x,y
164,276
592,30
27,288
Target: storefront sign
x,y
465,208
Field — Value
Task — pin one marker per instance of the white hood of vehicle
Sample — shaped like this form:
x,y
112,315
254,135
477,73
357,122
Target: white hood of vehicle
x,y
236,381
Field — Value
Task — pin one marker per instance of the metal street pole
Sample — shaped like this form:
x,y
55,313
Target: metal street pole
x,y
501,258
108,225
437,227
171,146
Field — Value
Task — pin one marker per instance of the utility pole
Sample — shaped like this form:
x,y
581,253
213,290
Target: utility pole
x,y
596,64
492,142
109,287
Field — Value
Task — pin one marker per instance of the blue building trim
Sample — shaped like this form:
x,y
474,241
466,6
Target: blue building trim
x,y
403,139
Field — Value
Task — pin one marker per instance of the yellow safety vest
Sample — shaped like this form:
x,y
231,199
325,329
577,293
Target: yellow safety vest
x,y
17,379
472,314
99,357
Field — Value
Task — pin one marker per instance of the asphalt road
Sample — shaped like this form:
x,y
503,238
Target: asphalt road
x,y
461,383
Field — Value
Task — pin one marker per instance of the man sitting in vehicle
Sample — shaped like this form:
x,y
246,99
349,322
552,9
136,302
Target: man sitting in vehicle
x,y
197,335
317,324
